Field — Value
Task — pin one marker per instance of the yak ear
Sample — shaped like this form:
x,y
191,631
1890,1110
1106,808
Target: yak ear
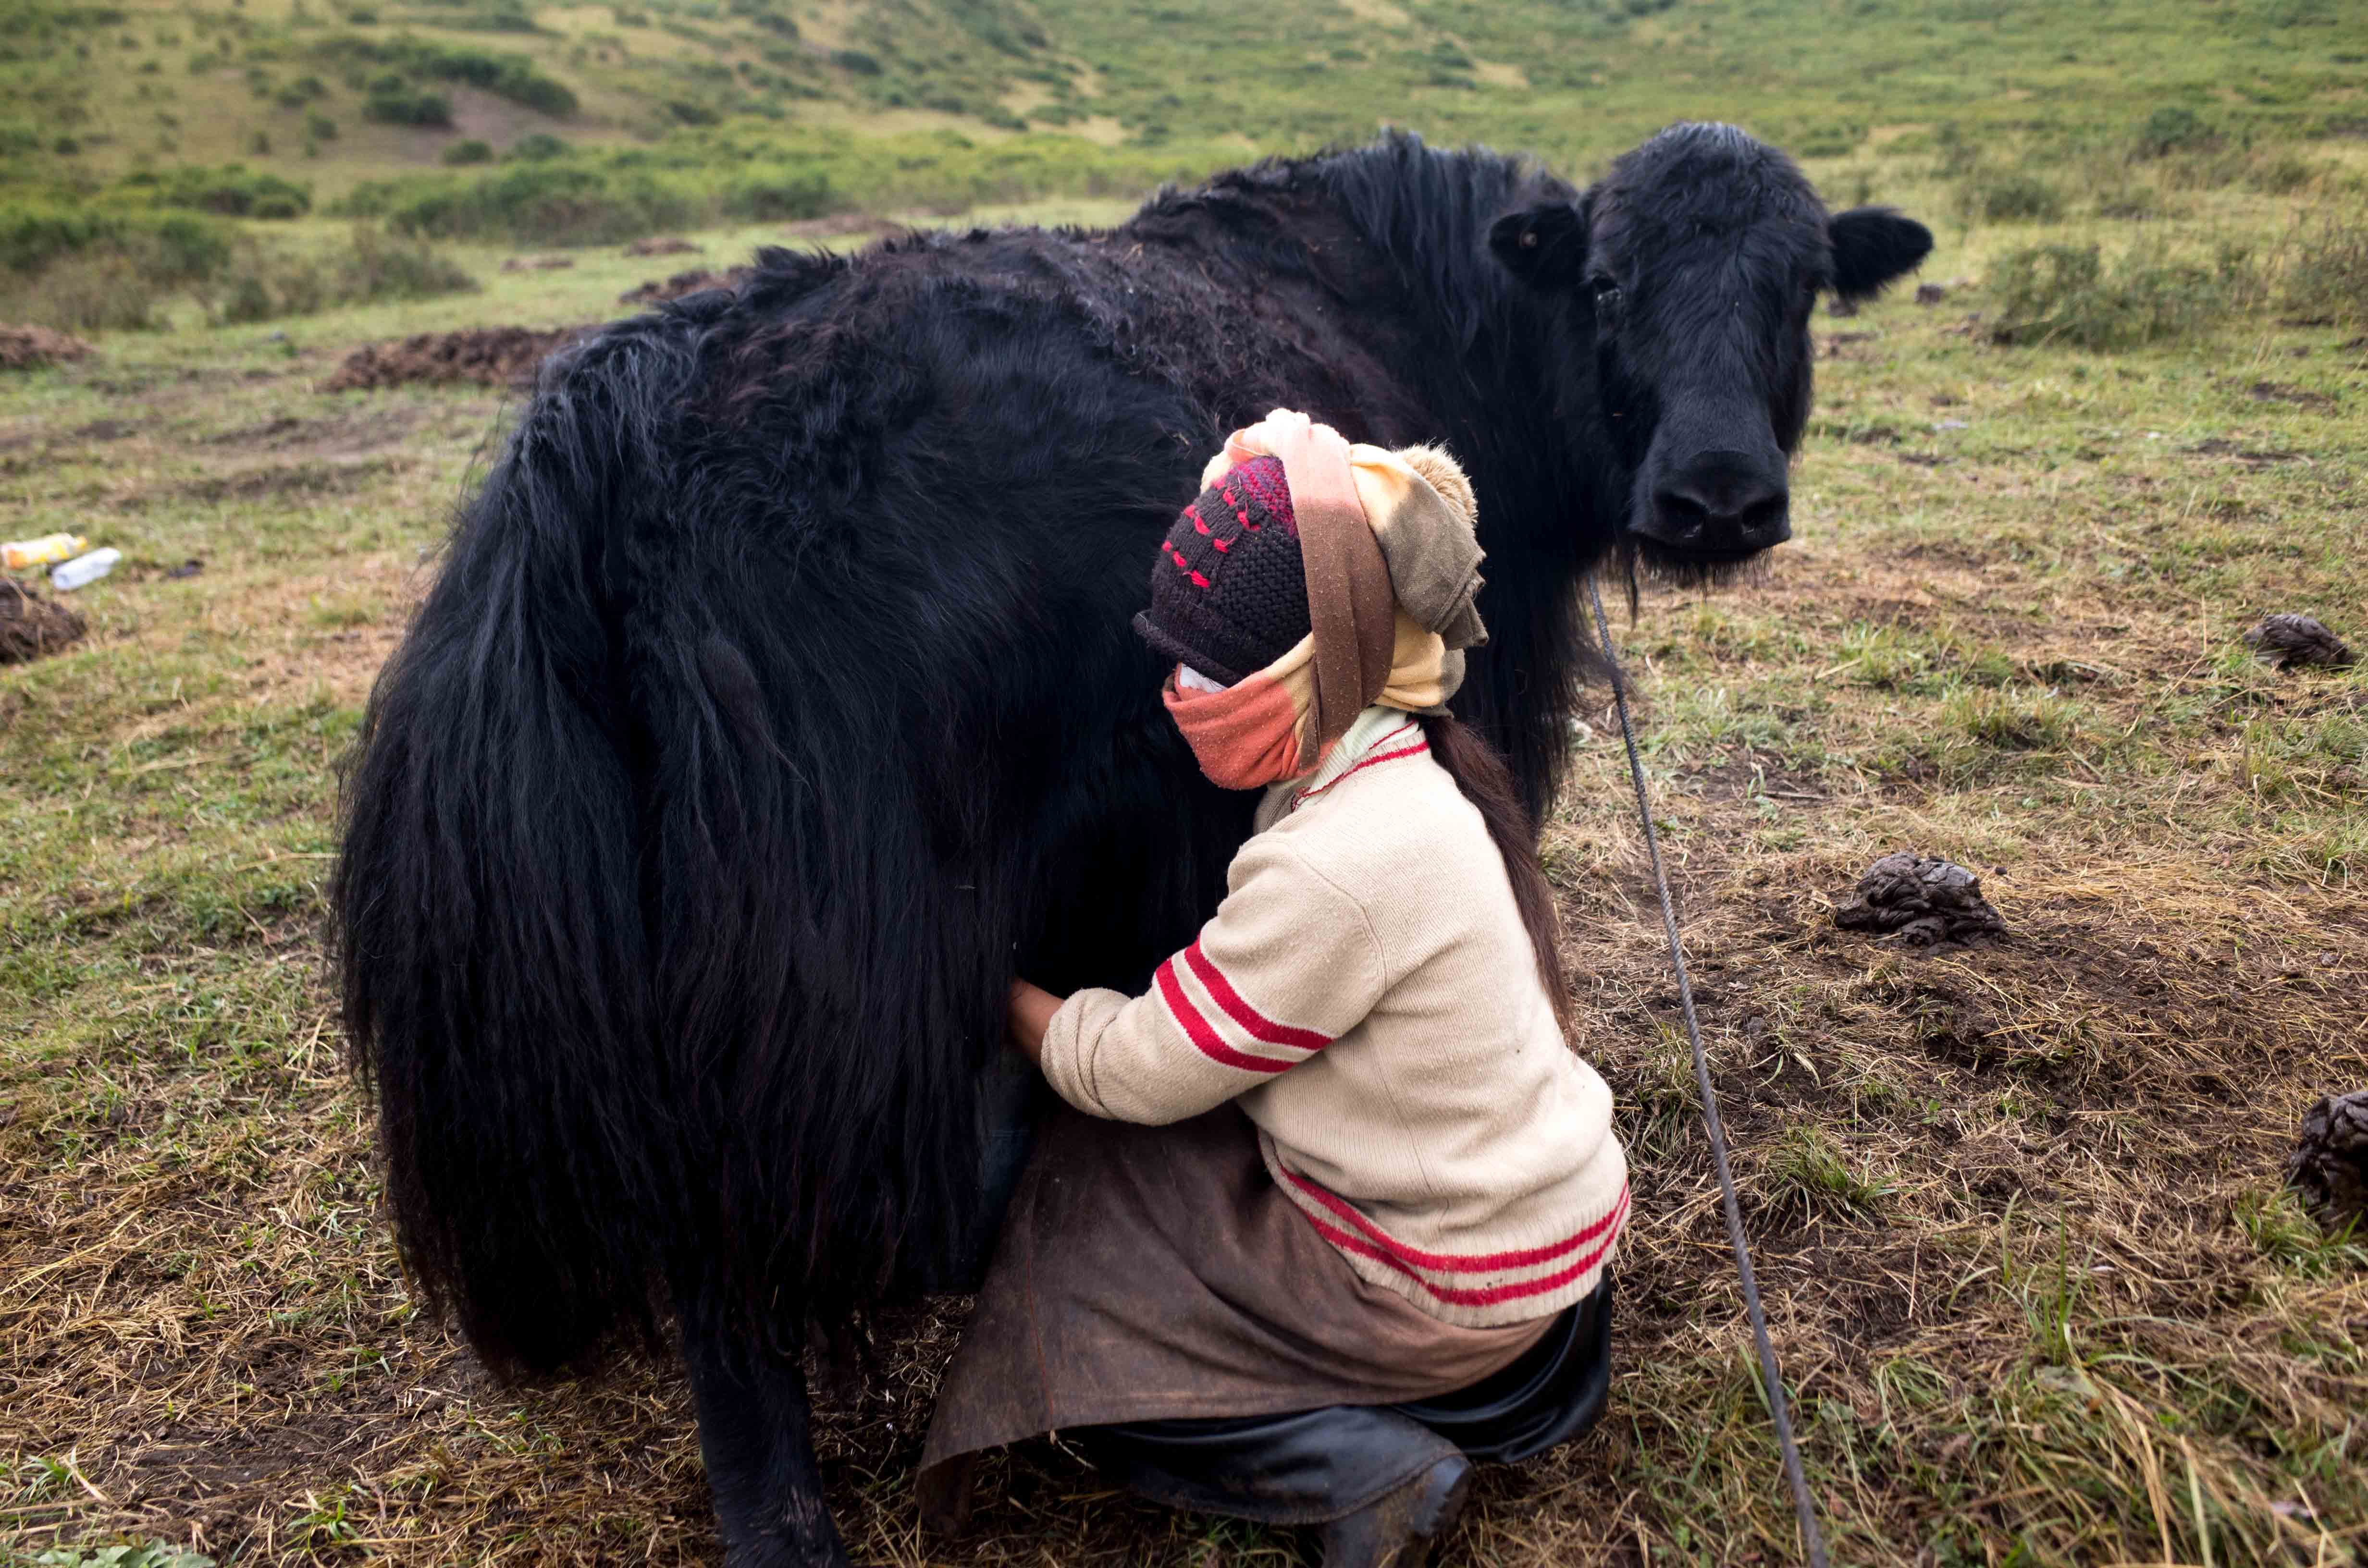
x,y
1545,246
1873,245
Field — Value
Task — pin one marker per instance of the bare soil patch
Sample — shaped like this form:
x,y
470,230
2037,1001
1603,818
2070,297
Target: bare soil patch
x,y
485,355
30,348
663,244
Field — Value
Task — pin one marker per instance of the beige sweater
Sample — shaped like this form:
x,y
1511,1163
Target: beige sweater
x,y
1368,994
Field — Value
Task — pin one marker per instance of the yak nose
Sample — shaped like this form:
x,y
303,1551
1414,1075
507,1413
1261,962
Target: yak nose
x,y
1722,503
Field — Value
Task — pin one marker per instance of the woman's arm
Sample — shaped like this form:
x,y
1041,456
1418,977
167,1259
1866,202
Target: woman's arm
x,y
1032,1007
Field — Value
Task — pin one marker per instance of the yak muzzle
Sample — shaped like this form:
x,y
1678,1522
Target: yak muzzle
x,y
1718,504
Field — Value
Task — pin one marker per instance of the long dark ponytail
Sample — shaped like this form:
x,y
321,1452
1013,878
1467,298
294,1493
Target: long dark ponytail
x,y
1488,784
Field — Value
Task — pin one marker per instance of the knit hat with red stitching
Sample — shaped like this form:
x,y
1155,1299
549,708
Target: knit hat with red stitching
x,y
1229,591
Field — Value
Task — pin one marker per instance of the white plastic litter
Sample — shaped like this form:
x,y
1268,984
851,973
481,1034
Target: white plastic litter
x,y
83,569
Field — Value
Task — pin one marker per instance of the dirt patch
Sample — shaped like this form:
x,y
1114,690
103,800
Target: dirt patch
x,y
837,224
664,244
359,429
31,625
30,348
2257,456
537,263
279,479
485,355
675,288
2282,392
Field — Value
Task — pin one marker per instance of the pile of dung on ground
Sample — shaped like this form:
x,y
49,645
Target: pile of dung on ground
x,y
485,355
30,348
662,245
2329,1165
675,288
33,625
2286,641
1921,901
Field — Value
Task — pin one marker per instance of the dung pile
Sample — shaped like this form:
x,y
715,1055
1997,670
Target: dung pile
x,y
675,288
2288,639
486,356
1921,901
30,348
2329,1165
33,625
661,244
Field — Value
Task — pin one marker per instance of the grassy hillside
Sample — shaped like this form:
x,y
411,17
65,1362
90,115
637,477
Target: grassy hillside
x,y
331,93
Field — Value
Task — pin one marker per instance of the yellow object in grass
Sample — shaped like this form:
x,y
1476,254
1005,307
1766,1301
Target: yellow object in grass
x,y
18,554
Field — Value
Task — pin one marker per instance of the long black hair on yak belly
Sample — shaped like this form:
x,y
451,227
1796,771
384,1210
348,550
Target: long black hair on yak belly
x,y
778,702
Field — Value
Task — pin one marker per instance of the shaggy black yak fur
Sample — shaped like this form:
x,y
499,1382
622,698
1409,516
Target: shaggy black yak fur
x,y
777,702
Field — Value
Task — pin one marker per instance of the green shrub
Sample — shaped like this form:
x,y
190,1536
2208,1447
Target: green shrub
x,y
553,203
167,247
2171,128
105,291
469,152
2326,277
266,282
537,147
777,198
2010,198
230,190
407,107
320,128
511,76
2069,294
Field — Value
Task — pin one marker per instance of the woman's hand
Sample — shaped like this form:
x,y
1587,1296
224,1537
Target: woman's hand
x,y
1032,1007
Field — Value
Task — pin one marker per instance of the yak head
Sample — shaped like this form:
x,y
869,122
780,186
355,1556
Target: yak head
x,y
1686,277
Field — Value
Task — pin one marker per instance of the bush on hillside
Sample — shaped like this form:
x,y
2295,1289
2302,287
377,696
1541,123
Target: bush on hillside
x,y
106,292
2069,294
2171,128
469,152
551,203
777,198
537,147
404,107
511,76
2010,198
231,190
169,247
265,283
2326,277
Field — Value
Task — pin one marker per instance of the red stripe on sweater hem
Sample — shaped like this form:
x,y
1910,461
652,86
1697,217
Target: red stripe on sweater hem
x,y
1419,746
1455,1263
1196,1028
1487,1296
1237,1007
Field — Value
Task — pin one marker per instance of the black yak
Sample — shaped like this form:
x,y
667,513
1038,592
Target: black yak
x,y
777,702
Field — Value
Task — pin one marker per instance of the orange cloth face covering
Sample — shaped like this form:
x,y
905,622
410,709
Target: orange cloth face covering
x,y
1245,737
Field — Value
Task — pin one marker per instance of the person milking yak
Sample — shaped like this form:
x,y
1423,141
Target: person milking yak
x,y
1327,1212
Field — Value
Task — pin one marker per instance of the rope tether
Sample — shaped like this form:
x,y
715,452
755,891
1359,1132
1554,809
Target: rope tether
x,y
1813,1543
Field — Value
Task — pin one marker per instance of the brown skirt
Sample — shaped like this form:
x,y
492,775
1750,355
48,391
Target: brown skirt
x,y
1147,1273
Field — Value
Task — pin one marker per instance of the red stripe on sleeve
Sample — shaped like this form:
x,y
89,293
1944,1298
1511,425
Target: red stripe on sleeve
x,y
1196,1028
1257,1024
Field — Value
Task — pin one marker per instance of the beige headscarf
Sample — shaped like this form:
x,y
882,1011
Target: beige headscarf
x,y
1392,568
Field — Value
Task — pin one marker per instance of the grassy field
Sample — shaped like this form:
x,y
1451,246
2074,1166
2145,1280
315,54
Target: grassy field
x,y
2017,1208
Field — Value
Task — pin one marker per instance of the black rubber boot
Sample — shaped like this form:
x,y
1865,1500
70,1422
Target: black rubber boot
x,y
1398,1528
1313,1467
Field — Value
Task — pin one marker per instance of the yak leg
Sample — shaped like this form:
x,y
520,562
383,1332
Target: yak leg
x,y
754,1434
